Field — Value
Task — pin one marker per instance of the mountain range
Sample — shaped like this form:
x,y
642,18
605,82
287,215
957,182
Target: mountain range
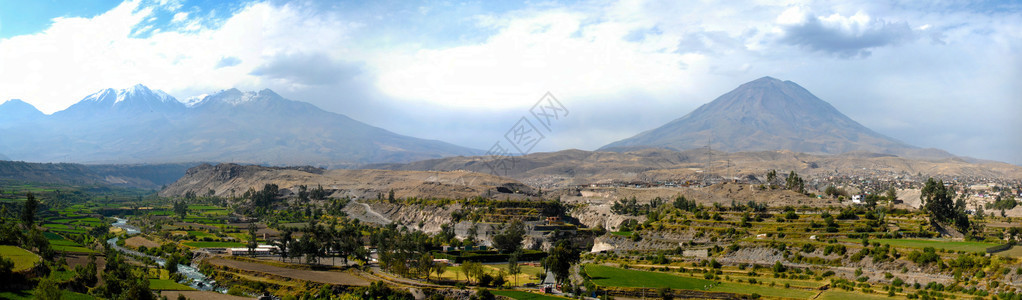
x,y
769,114
139,124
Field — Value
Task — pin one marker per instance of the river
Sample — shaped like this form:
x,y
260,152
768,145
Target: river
x,y
196,279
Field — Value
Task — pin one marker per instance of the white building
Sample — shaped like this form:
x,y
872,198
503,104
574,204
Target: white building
x,y
261,250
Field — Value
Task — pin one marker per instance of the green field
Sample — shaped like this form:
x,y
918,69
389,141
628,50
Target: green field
x,y
1015,251
214,244
837,295
23,259
611,276
52,236
27,295
204,207
167,285
201,234
763,290
524,295
75,249
937,244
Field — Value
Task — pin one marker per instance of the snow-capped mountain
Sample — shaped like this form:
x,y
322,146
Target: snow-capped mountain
x,y
134,100
138,124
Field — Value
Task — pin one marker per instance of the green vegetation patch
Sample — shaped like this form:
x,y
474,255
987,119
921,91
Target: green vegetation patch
x,y
750,289
204,207
611,276
23,259
168,285
937,244
214,244
69,248
524,295
1015,251
52,236
837,295
201,234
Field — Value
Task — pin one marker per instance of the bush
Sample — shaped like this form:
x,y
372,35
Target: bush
x,y
485,280
235,291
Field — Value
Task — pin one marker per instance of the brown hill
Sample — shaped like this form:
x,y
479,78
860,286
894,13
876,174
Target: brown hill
x,y
228,179
574,167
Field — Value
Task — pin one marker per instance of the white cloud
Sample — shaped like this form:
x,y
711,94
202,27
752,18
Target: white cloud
x,y
632,64
179,17
560,51
77,56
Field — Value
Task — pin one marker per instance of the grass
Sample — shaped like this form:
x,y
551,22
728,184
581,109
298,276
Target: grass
x,y
937,244
837,295
27,295
214,244
526,276
75,249
749,289
1015,251
23,259
167,285
611,276
622,233
201,234
52,236
204,207
524,295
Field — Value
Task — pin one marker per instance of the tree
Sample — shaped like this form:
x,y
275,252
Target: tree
x,y
318,193
6,269
303,193
510,240
47,289
892,194
28,213
512,266
283,243
560,259
181,209
439,268
831,191
771,177
665,293
252,239
471,269
938,202
779,267
795,183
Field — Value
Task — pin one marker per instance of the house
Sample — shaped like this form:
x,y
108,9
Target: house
x,y
858,199
260,250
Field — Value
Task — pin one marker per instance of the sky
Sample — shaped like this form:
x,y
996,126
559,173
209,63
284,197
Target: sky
x,y
941,74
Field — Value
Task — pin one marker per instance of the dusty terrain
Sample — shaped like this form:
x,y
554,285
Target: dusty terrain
x,y
329,277
574,167
232,179
135,241
596,202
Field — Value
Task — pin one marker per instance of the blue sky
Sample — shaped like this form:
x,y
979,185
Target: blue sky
x,y
944,74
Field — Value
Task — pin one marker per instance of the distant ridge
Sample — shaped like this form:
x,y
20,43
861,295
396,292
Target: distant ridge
x,y
769,114
141,125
